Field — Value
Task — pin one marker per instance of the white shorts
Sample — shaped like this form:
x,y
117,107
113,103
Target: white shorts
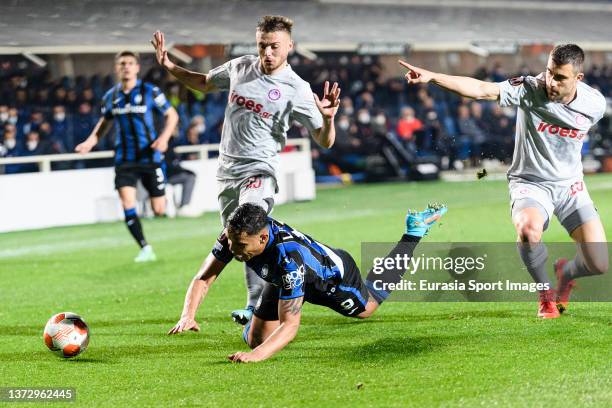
x,y
570,203
253,189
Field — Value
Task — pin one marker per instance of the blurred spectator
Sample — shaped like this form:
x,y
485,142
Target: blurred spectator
x,y
36,119
407,125
10,148
84,122
33,147
62,131
471,137
177,175
500,131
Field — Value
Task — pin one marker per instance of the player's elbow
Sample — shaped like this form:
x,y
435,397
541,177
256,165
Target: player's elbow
x,y
327,144
488,91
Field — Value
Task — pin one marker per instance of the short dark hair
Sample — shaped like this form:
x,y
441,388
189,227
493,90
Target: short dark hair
x,y
270,24
127,54
568,54
247,217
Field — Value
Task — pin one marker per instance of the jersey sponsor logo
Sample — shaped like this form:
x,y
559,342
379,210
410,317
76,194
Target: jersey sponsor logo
x,y
274,94
130,109
560,131
516,81
294,279
248,104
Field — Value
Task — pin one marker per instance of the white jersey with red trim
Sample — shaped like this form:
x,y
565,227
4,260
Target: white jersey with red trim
x,y
549,135
260,110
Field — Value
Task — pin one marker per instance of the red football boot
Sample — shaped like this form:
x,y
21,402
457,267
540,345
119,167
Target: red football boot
x,y
548,308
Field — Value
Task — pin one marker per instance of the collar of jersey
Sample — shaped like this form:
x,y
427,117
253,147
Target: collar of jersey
x,y
138,81
285,70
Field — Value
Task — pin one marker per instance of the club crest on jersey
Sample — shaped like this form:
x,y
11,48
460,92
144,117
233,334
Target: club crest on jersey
x,y
580,120
138,99
294,279
274,94
516,81
264,271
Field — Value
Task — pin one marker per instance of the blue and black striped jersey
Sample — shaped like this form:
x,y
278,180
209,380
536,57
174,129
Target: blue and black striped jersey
x,y
294,262
134,121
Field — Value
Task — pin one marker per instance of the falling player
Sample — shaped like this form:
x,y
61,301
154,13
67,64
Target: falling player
x,y
265,96
297,268
555,111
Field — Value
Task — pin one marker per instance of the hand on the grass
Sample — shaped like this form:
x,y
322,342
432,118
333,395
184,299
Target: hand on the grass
x,y
185,324
161,145
416,75
328,105
244,357
161,54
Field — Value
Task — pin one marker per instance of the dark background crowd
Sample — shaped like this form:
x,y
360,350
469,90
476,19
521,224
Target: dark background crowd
x,y
381,122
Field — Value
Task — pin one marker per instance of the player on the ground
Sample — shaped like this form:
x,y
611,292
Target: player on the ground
x,y
265,96
138,147
297,269
555,112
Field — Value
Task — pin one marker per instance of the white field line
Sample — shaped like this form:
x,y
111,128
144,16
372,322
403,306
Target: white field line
x,y
59,246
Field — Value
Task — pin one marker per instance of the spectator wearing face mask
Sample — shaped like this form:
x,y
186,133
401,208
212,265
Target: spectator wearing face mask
x,y
62,132
10,148
33,147
4,117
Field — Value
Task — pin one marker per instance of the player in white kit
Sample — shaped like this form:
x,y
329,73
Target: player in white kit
x,y
265,97
555,112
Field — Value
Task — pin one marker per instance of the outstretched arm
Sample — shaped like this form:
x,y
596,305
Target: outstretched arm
x,y
328,106
464,86
191,79
289,313
210,269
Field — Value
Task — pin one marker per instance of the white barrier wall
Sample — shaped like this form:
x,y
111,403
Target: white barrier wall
x,y
40,200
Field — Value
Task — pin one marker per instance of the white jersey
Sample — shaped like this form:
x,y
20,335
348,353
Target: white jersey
x,y
260,110
549,135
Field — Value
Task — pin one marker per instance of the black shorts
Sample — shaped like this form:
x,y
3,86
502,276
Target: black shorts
x,y
349,297
151,175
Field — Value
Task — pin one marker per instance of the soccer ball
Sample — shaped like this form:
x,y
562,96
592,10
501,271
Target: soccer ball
x,y
66,334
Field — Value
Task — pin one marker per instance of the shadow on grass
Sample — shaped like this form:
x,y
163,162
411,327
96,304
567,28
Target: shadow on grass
x,y
393,348
383,318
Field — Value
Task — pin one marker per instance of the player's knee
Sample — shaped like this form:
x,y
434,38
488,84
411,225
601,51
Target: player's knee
x,y
529,230
159,209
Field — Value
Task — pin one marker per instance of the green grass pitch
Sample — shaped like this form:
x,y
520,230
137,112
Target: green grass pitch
x,y
408,354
